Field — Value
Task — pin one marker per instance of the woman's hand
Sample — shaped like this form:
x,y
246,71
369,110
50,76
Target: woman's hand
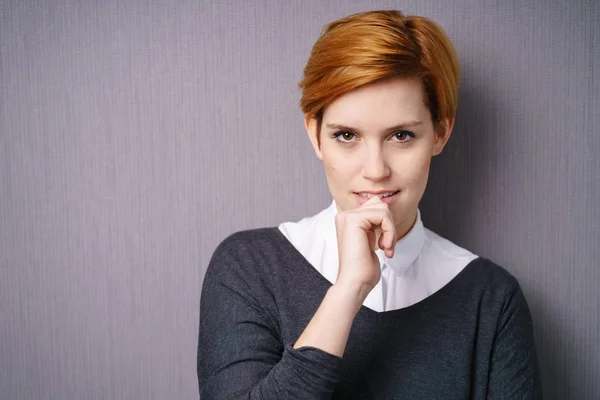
x,y
360,232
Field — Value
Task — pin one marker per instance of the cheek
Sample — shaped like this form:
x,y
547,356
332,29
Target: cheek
x,y
336,166
415,171
335,172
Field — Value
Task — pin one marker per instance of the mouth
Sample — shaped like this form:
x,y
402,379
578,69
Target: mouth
x,y
387,197
382,195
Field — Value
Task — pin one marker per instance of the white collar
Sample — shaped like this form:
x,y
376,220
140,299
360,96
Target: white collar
x,y
407,248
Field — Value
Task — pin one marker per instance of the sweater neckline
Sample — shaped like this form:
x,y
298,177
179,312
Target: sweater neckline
x,y
439,294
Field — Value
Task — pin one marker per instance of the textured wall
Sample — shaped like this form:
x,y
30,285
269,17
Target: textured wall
x,y
134,136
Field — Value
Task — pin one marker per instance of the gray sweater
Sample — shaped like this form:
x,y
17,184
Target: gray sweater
x,y
472,339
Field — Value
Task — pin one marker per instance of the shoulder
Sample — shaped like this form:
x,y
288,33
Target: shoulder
x,y
493,288
242,262
484,292
254,255
251,238
248,246
492,275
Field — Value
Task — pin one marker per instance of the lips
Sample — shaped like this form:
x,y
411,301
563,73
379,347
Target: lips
x,y
387,197
382,193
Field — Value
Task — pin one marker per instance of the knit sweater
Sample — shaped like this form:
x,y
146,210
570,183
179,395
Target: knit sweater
x,y
472,339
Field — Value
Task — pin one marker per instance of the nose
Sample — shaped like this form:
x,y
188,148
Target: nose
x,y
375,167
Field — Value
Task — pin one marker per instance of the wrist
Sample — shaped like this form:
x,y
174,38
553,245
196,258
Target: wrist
x,y
351,295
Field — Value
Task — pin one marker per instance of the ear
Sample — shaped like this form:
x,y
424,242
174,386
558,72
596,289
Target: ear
x,y
443,130
313,134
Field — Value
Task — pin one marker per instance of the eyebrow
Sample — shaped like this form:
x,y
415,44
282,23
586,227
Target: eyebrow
x,y
395,128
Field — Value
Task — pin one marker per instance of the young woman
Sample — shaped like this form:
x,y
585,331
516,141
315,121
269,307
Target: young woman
x,y
361,301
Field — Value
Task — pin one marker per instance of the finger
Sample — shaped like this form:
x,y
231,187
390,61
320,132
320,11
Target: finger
x,y
375,200
378,220
389,253
379,238
372,238
388,233
388,249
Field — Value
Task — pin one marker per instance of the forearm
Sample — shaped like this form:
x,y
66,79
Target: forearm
x,y
300,374
240,357
241,354
330,327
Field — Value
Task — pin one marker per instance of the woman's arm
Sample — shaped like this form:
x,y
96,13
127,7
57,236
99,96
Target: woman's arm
x,y
240,354
240,351
514,373
359,271
329,328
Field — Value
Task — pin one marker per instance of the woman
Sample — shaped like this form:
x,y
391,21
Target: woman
x,y
361,301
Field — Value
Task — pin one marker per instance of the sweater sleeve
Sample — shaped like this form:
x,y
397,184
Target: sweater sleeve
x,y
240,352
514,373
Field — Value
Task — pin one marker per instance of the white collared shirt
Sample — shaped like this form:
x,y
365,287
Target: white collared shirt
x,y
423,261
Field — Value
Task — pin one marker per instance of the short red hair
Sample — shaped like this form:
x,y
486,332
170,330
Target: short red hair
x,y
371,46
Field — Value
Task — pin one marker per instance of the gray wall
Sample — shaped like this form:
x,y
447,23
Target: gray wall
x,y
134,136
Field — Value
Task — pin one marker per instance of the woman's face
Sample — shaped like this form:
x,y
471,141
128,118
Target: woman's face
x,y
380,139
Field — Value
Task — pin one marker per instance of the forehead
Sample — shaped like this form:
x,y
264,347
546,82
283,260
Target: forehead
x,y
380,104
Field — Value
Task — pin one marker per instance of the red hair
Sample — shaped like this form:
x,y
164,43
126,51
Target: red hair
x,y
371,46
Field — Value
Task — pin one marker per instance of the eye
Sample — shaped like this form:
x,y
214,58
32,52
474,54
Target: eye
x,y
404,136
343,136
